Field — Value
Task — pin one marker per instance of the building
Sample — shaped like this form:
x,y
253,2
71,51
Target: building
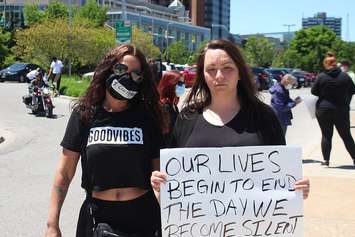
x,y
166,24
13,10
321,19
207,13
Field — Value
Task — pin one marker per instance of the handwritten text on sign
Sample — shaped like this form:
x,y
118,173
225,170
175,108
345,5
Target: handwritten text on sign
x,y
238,191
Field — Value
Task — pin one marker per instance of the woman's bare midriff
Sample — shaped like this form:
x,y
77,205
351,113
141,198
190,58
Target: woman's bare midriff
x,y
119,194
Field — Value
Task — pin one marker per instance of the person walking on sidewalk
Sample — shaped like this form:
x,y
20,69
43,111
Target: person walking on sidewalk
x,y
281,101
334,89
229,113
116,131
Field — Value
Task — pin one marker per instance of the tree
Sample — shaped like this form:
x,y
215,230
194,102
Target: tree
x,y
4,41
33,14
56,10
310,46
177,52
287,58
144,41
345,51
259,51
38,44
193,57
94,12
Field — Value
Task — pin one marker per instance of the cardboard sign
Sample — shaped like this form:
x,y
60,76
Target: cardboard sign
x,y
237,191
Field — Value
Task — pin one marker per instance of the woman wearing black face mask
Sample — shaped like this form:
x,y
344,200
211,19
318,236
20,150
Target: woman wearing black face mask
x,y
116,130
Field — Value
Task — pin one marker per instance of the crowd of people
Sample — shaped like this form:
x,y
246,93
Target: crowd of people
x,y
120,174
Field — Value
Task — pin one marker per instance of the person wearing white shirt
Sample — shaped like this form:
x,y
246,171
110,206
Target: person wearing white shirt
x,y
55,72
32,74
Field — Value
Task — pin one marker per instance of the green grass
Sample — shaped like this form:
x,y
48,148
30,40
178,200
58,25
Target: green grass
x,y
73,86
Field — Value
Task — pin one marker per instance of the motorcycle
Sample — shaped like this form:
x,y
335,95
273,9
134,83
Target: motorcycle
x,y
39,101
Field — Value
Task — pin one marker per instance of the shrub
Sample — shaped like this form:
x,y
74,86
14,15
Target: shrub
x,y
73,86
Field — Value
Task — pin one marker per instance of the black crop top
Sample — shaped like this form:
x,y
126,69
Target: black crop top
x,y
116,149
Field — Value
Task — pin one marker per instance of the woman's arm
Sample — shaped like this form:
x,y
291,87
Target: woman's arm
x,y
63,177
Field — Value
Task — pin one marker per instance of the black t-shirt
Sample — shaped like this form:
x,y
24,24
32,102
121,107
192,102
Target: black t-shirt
x,y
192,130
231,134
116,149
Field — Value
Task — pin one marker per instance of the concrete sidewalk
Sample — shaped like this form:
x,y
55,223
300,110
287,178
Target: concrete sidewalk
x,y
330,209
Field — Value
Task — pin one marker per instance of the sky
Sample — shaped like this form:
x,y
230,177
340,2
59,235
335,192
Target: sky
x,y
266,16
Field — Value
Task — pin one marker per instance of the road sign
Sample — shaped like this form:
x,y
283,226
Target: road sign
x,y
123,32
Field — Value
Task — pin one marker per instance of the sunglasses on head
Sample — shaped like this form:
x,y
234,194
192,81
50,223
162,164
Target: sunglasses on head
x,y
120,69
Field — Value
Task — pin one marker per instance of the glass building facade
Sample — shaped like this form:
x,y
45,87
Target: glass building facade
x,y
217,17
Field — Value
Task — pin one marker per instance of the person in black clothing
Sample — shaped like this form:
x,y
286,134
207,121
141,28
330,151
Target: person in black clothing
x,y
116,131
334,89
223,109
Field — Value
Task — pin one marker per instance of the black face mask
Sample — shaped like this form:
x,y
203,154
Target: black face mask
x,y
121,85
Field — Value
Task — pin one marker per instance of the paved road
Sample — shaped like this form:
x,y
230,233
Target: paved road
x,y
28,160
29,156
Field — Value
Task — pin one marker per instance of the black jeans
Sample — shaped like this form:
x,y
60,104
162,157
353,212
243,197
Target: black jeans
x,y
327,119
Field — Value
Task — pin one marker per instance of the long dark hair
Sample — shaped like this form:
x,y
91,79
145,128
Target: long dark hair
x,y
200,95
96,92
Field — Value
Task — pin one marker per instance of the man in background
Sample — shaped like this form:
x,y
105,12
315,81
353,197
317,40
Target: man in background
x,y
55,72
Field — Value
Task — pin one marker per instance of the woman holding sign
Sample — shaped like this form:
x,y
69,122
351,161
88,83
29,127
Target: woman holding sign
x,y
223,109
115,130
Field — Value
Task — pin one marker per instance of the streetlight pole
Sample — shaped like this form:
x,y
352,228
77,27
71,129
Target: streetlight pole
x,y
124,10
288,31
4,14
167,40
140,20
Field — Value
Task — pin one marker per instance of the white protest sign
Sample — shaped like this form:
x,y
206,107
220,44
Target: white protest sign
x,y
238,191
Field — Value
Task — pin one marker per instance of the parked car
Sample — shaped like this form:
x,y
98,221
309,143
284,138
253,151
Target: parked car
x,y
167,67
17,72
303,78
189,74
276,73
262,78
